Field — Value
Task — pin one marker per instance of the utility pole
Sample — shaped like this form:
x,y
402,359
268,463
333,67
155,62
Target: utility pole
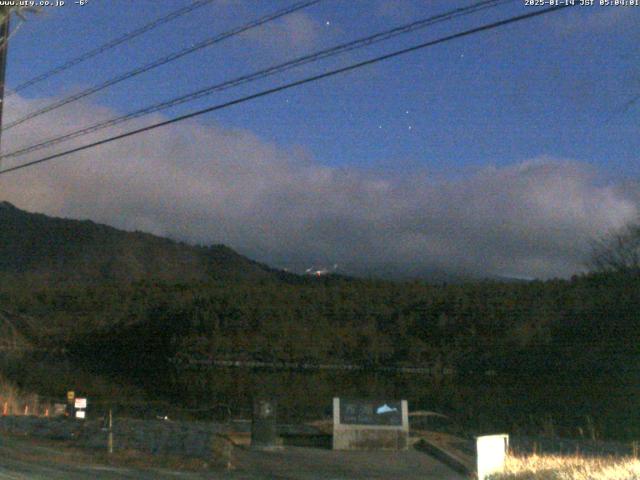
x,y
110,437
4,49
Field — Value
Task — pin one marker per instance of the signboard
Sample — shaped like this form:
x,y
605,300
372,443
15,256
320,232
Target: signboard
x,y
370,412
70,396
80,414
81,403
363,424
492,452
59,409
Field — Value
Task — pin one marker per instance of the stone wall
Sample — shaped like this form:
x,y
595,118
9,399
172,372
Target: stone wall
x,y
192,439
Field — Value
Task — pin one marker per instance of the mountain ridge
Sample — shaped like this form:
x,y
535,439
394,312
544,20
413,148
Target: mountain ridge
x,y
53,249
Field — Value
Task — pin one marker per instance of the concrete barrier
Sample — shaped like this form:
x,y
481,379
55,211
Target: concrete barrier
x,y
491,453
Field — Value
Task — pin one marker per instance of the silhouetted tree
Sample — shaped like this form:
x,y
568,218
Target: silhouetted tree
x,y
617,251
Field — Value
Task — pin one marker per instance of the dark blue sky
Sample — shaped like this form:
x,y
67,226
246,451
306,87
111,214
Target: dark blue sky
x,y
555,85
503,153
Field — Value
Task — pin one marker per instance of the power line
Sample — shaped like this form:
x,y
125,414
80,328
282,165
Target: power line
x,y
113,43
161,61
624,109
287,86
342,48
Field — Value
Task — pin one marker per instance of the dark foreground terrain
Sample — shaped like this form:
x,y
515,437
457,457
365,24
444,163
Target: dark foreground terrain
x,y
154,328
25,459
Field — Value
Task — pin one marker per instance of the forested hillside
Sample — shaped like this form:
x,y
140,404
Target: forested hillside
x,y
470,327
578,337
54,250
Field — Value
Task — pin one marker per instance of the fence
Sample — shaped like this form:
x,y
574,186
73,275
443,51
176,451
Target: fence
x,y
190,439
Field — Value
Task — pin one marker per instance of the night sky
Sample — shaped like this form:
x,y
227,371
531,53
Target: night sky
x,y
502,153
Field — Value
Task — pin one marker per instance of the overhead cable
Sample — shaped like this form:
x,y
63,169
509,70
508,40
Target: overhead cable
x,y
160,61
287,86
260,74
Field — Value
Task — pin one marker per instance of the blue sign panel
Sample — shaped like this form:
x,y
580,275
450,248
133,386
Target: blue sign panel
x,y
371,412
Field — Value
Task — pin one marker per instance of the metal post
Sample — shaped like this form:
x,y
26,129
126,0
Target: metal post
x,y
264,433
110,438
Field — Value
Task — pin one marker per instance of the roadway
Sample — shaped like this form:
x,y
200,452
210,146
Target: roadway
x,y
22,458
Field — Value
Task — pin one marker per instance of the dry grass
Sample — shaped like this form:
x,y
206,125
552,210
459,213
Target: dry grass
x,y
15,402
551,467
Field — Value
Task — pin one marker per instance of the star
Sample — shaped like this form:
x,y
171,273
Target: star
x,y
327,23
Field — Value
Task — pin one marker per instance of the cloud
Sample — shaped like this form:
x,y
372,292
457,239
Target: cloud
x,y
296,32
210,184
